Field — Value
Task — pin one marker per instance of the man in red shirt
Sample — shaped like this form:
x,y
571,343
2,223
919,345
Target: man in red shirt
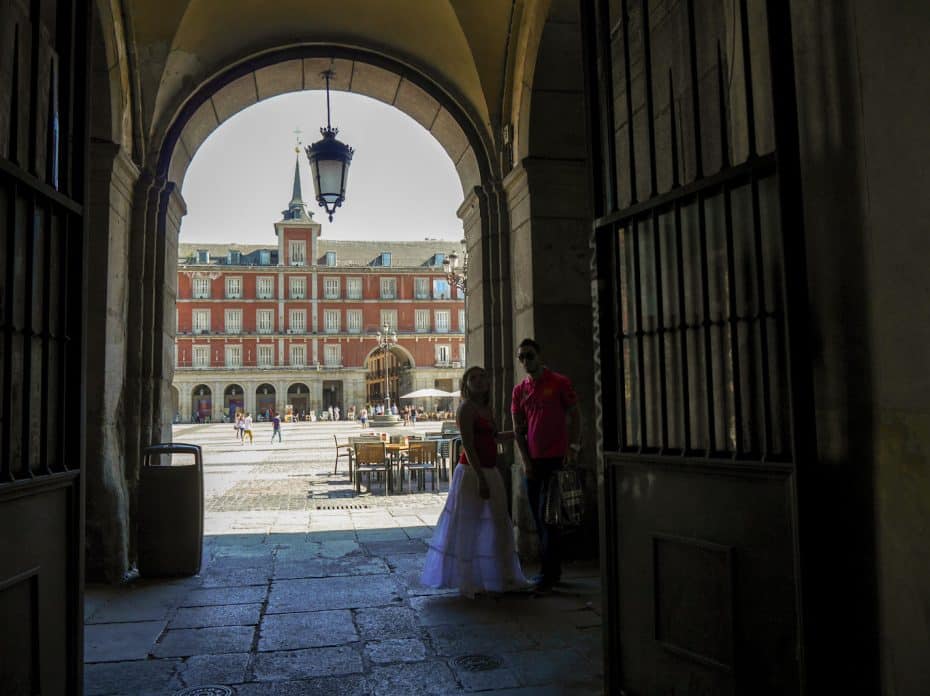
x,y
547,425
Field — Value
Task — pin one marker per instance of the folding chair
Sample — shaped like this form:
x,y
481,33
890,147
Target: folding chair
x,y
371,458
422,456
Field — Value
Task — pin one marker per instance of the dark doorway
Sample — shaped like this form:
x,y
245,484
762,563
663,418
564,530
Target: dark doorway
x,y
332,394
265,402
201,404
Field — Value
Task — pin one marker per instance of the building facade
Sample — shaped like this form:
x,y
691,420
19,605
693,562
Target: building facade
x,y
297,324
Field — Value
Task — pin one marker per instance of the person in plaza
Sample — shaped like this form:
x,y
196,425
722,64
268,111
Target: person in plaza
x,y
472,548
363,417
337,413
547,427
247,428
276,427
238,426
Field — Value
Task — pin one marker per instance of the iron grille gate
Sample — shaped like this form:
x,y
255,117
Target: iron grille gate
x,y
699,269
43,140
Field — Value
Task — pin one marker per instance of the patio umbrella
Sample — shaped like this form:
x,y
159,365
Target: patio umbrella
x,y
424,393
457,394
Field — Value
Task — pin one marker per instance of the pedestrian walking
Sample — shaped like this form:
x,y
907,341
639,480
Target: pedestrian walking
x,y
238,426
472,548
547,425
363,417
247,428
276,427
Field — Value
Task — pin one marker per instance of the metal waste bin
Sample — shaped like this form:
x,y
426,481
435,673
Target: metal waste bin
x,y
170,510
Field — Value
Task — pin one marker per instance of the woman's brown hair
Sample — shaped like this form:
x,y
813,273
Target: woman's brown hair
x,y
466,392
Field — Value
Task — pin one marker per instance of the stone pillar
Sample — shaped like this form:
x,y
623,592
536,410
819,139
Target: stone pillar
x,y
174,208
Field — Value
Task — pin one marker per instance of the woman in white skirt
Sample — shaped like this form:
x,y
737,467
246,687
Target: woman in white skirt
x,y
472,548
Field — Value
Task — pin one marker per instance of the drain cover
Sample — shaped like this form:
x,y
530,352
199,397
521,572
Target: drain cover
x,y
209,690
477,663
342,506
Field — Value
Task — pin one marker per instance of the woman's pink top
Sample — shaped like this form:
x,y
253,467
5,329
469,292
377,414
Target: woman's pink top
x,y
485,442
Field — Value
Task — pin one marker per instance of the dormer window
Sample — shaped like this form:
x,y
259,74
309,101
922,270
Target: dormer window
x,y
438,258
203,256
234,258
330,258
264,257
385,258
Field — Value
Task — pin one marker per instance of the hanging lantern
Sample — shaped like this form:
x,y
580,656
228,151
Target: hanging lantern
x,y
329,163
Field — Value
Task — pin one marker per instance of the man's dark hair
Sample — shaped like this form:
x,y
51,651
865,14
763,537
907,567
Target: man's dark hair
x,y
530,343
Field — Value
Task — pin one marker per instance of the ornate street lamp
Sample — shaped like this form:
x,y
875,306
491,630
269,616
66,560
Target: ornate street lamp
x,y
456,277
329,163
386,338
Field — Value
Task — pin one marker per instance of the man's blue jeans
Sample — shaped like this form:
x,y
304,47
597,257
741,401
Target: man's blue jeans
x,y
550,536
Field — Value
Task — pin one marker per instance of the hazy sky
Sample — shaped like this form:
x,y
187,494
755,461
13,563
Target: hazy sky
x,y
402,184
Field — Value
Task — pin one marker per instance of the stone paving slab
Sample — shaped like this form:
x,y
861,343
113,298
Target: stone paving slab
x,y
312,662
345,685
329,567
214,640
332,593
387,622
138,677
120,641
414,679
214,669
216,596
307,630
391,650
218,615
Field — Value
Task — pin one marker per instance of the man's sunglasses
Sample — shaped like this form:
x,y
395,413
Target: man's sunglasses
x,y
523,357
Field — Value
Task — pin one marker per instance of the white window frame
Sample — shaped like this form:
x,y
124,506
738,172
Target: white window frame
x,y
297,321
443,354
233,355
332,320
298,355
202,326
232,321
265,355
421,321
462,353
443,320
264,287
264,321
437,295
332,354
421,288
297,287
200,356
461,321
297,252
354,321
233,286
389,317
353,288
201,288
389,288
331,287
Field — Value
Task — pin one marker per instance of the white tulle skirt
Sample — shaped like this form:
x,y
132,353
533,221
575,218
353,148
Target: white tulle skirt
x,y
472,548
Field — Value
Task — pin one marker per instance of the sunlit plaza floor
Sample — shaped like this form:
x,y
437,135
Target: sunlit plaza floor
x,y
307,588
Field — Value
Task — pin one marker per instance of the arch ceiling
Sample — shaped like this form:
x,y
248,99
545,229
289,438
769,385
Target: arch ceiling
x,y
460,44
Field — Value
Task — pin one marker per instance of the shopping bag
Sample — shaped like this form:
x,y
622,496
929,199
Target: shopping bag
x,y
564,501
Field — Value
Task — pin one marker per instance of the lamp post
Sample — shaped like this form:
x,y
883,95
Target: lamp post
x,y
454,275
329,163
386,338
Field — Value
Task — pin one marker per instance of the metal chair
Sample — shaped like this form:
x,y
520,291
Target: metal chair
x,y
422,456
343,449
371,458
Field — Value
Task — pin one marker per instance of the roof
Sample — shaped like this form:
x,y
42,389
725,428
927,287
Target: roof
x,y
413,254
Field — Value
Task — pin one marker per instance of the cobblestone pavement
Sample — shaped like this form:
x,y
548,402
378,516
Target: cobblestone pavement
x,y
307,589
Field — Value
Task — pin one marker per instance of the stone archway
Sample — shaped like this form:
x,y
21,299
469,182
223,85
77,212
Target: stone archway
x,y
201,404
265,401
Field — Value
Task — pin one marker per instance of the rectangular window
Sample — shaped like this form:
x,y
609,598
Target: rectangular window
x,y
443,353
297,323
388,288
201,356
332,355
354,288
264,287
266,356
354,321
462,354
297,252
233,356
331,320
298,355
421,288
201,289
203,256
330,258
442,321
438,258
233,321
201,319
331,288
389,319
441,289
233,288
461,321
385,258
298,287
264,321
421,321
264,258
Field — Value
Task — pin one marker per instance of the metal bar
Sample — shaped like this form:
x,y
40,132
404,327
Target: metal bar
x,y
747,78
741,173
625,18
598,64
28,334
650,105
35,21
721,96
705,301
733,321
638,312
14,101
766,443
689,463
6,463
10,171
64,424
616,279
660,322
46,340
673,132
695,99
683,335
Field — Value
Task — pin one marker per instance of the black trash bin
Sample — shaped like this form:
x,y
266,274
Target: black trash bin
x,y
170,510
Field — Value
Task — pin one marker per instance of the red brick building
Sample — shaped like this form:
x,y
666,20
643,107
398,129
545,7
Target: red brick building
x,y
262,327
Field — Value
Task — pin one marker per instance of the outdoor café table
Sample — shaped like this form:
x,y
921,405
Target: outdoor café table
x,y
395,451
